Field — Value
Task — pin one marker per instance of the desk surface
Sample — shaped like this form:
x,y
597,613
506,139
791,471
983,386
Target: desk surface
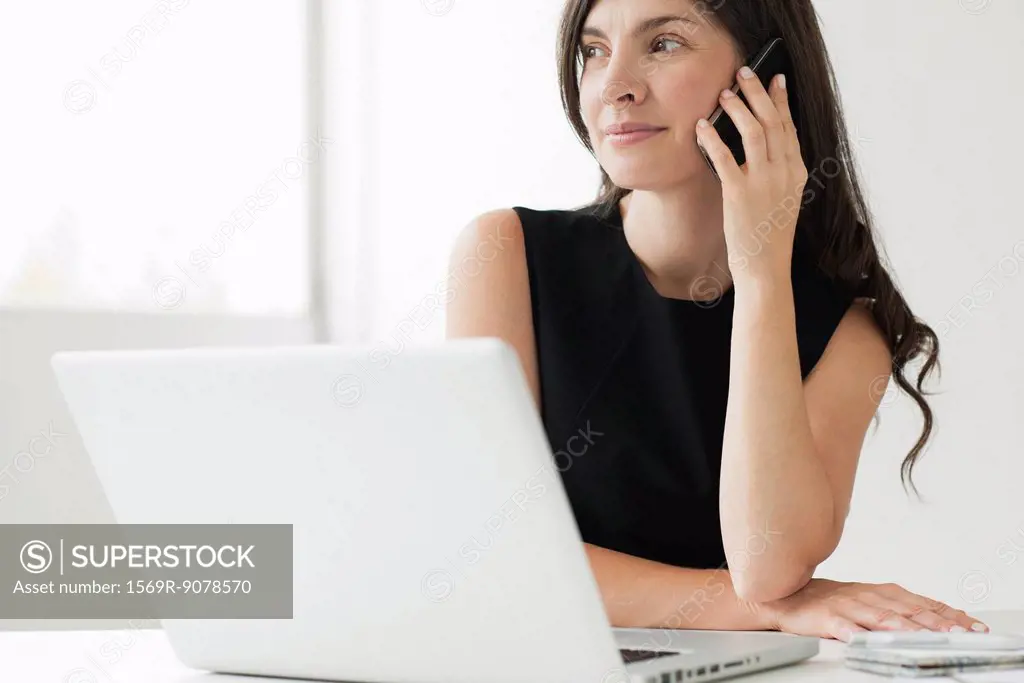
x,y
145,656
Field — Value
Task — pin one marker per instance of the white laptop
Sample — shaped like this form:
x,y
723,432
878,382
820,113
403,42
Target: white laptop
x,y
433,540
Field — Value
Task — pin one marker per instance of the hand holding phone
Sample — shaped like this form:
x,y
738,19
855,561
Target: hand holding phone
x,y
772,59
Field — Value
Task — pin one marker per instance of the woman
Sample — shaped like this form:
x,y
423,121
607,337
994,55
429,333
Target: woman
x,y
709,350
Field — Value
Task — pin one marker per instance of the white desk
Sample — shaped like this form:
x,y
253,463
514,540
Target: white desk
x,y
146,657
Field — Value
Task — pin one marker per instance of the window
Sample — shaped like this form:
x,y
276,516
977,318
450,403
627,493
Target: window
x,y
159,157
457,112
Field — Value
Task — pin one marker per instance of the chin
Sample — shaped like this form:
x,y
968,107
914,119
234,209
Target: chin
x,y
637,175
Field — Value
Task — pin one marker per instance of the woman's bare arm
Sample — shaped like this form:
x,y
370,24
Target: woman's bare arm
x,y
791,447
642,593
490,288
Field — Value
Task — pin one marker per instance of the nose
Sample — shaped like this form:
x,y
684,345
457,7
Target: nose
x,y
624,84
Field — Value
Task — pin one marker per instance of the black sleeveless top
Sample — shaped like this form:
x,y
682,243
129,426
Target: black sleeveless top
x,y
634,385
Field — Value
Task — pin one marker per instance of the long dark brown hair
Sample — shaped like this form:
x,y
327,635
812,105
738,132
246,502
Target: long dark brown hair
x,y
834,228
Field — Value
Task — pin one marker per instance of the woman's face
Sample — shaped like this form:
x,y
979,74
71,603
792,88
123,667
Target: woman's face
x,y
641,67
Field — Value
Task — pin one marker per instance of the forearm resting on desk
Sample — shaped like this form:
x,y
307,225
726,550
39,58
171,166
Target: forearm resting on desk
x,y
641,593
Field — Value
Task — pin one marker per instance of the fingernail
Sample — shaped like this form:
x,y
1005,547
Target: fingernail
x,y
781,80
728,93
746,72
957,629
702,123
978,626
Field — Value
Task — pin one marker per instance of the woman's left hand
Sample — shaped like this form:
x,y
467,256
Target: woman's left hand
x,y
836,609
761,199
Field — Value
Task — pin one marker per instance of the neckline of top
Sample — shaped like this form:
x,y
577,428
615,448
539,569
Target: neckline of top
x,y
707,283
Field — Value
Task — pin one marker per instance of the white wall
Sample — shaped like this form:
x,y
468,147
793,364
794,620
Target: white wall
x,y
59,486
935,100
465,118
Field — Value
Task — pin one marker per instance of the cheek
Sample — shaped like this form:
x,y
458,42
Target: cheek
x,y
689,96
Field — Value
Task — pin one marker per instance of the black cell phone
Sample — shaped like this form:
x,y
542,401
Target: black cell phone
x,y
772,59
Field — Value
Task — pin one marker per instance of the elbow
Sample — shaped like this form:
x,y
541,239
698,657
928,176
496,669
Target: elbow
x,y
784,569
770,582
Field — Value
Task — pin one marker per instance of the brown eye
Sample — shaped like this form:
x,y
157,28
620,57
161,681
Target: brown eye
x,y
667,39
586,51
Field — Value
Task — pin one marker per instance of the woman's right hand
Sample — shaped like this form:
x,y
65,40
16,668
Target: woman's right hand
x,y
834,609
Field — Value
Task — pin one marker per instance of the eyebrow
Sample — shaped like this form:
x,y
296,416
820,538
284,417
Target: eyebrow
x,y
644,26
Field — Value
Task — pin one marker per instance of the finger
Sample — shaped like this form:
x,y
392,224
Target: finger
x,y
874,618
959,617
725,163
956,615
914,612
842,628
781,97
762,104
749,127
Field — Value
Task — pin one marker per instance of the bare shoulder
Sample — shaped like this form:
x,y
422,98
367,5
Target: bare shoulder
x,y
857,355
487,267
493,236
489,287
859,330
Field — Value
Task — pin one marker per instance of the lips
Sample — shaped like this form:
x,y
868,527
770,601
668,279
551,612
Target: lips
x,y
636,135
624,128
